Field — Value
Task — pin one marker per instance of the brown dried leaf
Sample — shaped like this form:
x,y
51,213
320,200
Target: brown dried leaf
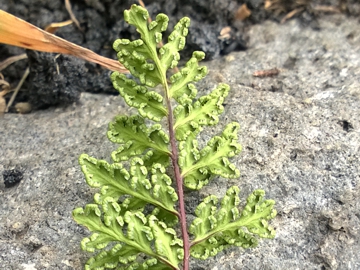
x,y
17,32
23,107
266,72
225,33
242,13
267,4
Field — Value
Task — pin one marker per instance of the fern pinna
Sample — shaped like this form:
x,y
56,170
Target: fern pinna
x,y
138,218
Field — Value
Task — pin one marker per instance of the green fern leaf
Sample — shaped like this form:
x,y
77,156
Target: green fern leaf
x,y
105,260
135,55
135,182
151,36
108,229
135,138
149,103
182,89
134,204
199,166
169,53
164,216
190,118
166,242
121,239
216,228
110,259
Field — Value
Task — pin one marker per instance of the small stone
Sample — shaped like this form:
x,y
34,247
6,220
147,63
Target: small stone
x,y
12,177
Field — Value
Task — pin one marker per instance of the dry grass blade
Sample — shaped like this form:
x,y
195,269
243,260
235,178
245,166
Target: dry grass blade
x,y
285,6
291,14
8,61
4,85
17,32
52,27
5,88
16,90
327,9
141,3
72,16
2,105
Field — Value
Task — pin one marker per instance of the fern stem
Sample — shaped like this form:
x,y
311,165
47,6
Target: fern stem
x,y
179,183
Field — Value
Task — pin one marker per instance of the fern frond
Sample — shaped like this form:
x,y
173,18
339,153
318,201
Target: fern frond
x,y
122,239
190,118
141,56
135,138
169,53
149,103
182,89
135,55
134,218
216,228
135,182
198,166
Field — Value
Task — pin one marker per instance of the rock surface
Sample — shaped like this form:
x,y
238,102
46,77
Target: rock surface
x,y
300,137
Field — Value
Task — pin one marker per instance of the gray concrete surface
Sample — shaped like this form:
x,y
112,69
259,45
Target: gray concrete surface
x,y
300,137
